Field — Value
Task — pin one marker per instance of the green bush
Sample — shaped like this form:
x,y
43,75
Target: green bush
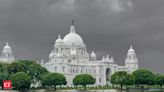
x,y
143,77
20,80
53,79
159,80
83,79
122,78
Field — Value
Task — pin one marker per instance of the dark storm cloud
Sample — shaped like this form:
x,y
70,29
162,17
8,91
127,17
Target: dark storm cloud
x,y
107,26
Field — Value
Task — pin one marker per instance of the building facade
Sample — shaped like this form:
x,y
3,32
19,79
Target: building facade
x,y
7,54
70,58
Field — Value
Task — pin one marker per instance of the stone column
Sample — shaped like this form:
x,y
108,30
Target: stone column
x,y
97,76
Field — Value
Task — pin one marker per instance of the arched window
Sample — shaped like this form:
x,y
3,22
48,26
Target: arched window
x,y
100,80
63,68
69,60
73,70
73,58
8,55
81,52
55,68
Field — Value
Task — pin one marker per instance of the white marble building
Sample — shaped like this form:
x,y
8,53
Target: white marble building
x,y
70,57
7,54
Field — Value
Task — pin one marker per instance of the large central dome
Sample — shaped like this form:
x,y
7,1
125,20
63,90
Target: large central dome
x,y
73,39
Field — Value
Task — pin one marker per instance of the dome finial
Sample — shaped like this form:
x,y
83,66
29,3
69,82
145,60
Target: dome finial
x,y
131,47
59,37
72,29
93,54
7,44
107,56
72,22
112,59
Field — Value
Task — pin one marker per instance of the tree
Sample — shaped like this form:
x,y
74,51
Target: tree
x,y
16,67
53,79
3,76
159,80
129,79
20,80
3,72
143,77
33,68
83,79
122,78
30,67
3,67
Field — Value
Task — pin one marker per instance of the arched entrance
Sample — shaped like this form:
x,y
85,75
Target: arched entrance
x,y
108,75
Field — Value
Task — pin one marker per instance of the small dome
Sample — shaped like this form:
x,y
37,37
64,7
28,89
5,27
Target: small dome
x,y
59,40
103,58
131,50
51,54
112,59
7,47
107,57
93,54
73,39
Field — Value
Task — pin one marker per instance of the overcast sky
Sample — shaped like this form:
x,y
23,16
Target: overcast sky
x,y
106,26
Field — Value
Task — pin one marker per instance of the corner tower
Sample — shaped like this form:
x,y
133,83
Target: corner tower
x,y
131,61
7,55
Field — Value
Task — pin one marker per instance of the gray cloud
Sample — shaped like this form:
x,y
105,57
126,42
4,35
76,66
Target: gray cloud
x,y
107,26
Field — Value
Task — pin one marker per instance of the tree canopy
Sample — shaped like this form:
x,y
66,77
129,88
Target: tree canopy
x,y
122,78
3,76
30,67
118,77
129,79
53,79
159,80
3,72
83,79
143,77
16,67
33,68
3,67
20,80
